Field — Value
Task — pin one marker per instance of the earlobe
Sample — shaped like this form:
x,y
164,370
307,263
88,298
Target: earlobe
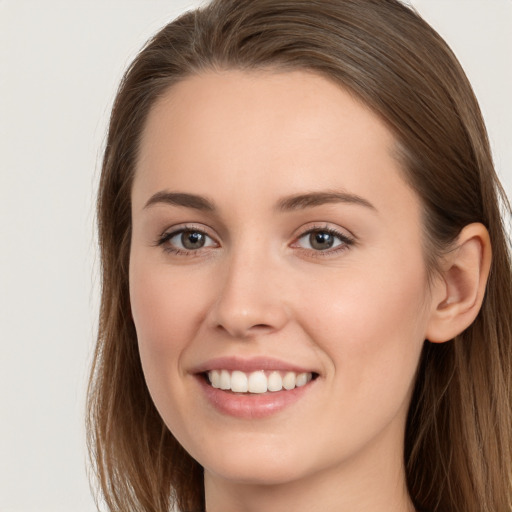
x,y
461,286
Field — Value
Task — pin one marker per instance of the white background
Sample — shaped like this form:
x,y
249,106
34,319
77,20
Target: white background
x,y
60,62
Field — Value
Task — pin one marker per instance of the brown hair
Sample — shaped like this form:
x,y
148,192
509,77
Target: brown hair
x,y
458,434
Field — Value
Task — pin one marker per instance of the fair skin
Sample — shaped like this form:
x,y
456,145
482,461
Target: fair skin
x,y
332,284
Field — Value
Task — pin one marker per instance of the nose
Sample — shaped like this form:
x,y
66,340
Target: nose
x,y
252,298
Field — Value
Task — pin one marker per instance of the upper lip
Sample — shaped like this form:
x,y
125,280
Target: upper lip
x,y
249,365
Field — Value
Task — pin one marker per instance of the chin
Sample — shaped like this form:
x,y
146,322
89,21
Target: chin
x,y
256,466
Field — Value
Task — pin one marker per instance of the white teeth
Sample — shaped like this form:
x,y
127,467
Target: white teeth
x,y
275,382
225,380
257,382
302,380
215,378
289,381
239,382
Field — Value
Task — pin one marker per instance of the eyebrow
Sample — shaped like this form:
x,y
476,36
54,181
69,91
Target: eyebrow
x,y
312,199
295,202
181,199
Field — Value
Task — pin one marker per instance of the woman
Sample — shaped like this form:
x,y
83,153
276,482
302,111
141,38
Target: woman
x,y
306,281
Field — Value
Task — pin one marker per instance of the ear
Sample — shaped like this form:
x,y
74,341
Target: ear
x,y
458,293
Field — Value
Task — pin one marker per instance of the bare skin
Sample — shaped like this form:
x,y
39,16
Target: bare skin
x,y
227,261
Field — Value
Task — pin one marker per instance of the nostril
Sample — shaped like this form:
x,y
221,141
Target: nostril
x,y
247,316
253,328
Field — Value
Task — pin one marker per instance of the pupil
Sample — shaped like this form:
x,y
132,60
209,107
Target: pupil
x,y
192,240
321,240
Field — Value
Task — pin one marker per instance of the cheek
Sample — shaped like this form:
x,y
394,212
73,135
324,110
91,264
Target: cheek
x,y
371,323
162,305
166,309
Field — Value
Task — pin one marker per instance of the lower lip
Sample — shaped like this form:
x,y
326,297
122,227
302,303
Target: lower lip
x,y
252,406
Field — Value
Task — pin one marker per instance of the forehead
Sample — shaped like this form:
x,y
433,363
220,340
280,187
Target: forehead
x,y
245,134
277,109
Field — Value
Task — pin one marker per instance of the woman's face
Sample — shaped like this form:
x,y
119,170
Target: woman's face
x,y
276,245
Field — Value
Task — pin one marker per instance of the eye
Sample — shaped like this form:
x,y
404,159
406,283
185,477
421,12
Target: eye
x,y
186,240
323,240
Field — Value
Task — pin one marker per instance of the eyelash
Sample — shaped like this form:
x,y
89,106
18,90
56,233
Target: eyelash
x,y
163,240
346,241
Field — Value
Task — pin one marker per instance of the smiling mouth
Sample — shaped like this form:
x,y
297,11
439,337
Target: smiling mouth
x,y
257,382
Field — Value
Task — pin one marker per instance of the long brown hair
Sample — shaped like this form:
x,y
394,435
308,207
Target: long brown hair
x,y
458,434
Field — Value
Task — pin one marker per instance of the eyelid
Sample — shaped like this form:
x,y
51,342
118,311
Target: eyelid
x,y
345,236
173,231
324,226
